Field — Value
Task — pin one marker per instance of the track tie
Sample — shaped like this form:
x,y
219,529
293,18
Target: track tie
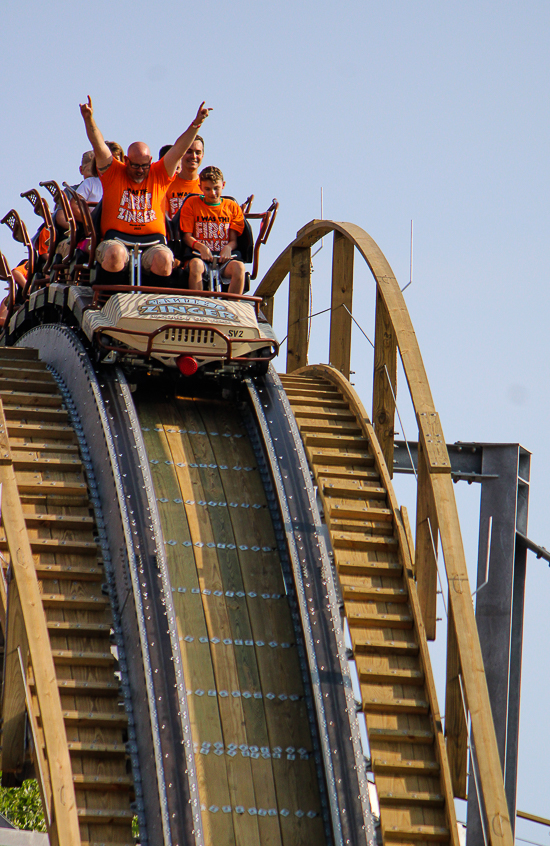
x,y
327,457
368,568
86,659
343,525
105,816
81,688
97,782
404,767
33,519
40,430
392,705
327,427
18,383
56,465
91,718
58,545
387,735
47,488
367,593
81,603
357,442
361,619
75,627
59,571
26,354
27,412
306,412
352,540
24,398
362,643
359,512
346,489
406,833
78,747
302,392
419,798
370,675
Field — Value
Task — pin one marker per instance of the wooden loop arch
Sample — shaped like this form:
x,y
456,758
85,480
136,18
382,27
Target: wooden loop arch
x,y
436,506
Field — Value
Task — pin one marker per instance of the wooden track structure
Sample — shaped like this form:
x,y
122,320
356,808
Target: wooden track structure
x,y
259,774
436,506
253,747
59,668
374,562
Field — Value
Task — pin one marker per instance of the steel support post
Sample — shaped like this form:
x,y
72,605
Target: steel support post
x,y
499,607
503,471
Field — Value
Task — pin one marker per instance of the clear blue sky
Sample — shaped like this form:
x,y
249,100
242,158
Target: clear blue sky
x,y
400,110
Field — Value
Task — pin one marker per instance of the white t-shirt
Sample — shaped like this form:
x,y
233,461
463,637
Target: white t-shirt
x,y
91,189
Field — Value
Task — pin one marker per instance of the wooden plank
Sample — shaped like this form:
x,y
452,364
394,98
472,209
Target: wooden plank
x,y
267,308
384,381
65,820
433,442
13,694
245,618
456,729
381,701
286,725
427,529
298,308
341,299
174,483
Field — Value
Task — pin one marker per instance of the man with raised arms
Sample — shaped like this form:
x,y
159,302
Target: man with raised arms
x,y
133,194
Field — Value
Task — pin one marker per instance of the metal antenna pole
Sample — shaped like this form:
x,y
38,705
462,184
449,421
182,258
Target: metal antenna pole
x,y
322,218
411,263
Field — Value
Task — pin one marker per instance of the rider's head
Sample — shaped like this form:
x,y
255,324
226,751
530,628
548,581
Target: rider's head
x,y
87,164
212,184
138,161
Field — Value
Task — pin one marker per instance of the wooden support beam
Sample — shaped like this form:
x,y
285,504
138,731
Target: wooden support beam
x,y
385,381
427,529
456,729
65,828
267,308
13,690
298,308
439,479
341,295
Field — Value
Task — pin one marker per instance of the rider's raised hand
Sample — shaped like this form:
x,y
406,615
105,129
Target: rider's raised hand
x,y
86,109
202,114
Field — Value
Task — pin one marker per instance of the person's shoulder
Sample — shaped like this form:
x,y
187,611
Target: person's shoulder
x,y
193,201
159,173
233,206
115,168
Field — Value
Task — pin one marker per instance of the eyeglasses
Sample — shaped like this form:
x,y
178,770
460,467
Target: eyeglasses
x,y
140,166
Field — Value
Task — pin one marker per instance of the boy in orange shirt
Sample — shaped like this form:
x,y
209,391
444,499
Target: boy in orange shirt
x,y
211,224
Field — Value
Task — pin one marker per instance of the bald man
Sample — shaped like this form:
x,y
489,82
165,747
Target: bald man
x,y
133,195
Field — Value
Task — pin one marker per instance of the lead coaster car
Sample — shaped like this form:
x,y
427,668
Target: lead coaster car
x,y
209,330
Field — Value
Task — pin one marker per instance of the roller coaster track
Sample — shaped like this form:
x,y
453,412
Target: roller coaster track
x,y
199,559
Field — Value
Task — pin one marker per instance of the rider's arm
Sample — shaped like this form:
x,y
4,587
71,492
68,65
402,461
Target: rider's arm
x,y
103,156
172,157
196,246
231,245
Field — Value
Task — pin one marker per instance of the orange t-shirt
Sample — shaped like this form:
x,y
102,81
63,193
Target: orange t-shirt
x,y
134,208
211,224
43,241
177,193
